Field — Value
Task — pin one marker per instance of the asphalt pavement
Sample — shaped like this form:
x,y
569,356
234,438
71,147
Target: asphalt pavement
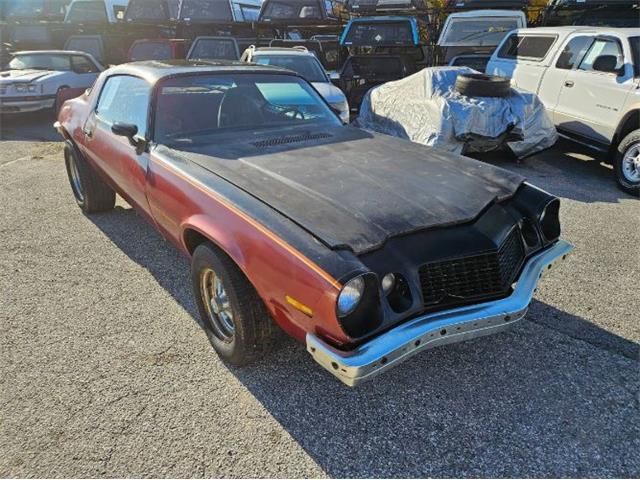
x,y
104,370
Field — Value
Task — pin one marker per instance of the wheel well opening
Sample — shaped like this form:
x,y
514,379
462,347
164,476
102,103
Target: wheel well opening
x,y
192,239
631,123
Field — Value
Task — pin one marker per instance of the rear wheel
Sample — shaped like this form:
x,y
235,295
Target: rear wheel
x,y
627,163
91,193
234,316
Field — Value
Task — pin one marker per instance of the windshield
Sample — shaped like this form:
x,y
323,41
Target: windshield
x,y
248,13
292,9
150,51
197,109
214,49
90,45
306,66
152,10
486,31
87,12
41,62
205,10
379,34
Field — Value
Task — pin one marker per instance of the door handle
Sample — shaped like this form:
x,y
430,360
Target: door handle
x,y
568,83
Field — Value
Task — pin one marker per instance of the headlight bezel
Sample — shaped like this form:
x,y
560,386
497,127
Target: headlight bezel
x,y
27,87
367,314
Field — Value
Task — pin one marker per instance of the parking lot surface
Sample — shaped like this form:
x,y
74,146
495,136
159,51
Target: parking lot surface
x,y
104,370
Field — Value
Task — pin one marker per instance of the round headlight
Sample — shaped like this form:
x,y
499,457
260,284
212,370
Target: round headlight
x,y
388,282
350,296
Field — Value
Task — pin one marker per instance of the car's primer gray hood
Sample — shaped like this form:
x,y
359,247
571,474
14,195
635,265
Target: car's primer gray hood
x,y
354,189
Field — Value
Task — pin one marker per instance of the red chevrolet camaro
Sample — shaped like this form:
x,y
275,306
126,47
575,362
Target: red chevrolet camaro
x,y
367,248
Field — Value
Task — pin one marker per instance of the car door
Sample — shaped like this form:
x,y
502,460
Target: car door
x,y
590,101
123,99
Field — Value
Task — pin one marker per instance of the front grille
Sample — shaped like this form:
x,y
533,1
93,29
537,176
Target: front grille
x,y
272,142
487,275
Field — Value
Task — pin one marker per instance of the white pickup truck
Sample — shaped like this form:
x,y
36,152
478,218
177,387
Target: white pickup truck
x,y
589,80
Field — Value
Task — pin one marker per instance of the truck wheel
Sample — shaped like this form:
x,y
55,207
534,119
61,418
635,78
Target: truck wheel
x,y
91,193
481,85
233,315
627,163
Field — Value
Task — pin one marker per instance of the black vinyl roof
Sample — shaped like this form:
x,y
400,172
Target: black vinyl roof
x,y
154,70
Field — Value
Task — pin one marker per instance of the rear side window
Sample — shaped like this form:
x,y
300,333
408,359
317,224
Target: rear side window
x,y
599,48
573,52
526,46
125,99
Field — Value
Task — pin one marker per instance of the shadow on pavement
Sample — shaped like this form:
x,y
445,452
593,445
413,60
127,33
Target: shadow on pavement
x,y
568,170
36,127
527,402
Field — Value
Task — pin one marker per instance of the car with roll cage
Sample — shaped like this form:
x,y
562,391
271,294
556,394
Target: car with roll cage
x,y
365,247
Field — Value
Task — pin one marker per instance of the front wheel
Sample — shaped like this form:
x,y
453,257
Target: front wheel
x,y
233,315
627,163
91,193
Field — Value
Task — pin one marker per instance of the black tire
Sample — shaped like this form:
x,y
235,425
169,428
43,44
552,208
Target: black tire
x,y
254,332
621,165
481,85
90,192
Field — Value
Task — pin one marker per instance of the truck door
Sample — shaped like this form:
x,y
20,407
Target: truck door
x,y
591,98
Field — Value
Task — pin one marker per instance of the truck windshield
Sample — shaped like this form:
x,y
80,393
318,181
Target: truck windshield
x,y
196,109
214,49
41,62
306,66
150,51
202,10
486,31
281,9
394,33
31,9
87,12
150,10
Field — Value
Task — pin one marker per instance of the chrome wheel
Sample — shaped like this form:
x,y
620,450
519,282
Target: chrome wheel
x,y
631,163
74,176
216,301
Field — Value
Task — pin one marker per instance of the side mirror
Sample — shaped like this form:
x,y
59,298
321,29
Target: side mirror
x,y
128,130
607,64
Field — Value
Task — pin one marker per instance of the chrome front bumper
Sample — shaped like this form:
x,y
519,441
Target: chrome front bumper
x,y
439,328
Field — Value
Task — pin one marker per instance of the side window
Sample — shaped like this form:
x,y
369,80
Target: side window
x,y
573,52
599,48
526,46
125,99
81,64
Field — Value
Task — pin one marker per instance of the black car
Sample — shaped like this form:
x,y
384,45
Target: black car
x,y
365,247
